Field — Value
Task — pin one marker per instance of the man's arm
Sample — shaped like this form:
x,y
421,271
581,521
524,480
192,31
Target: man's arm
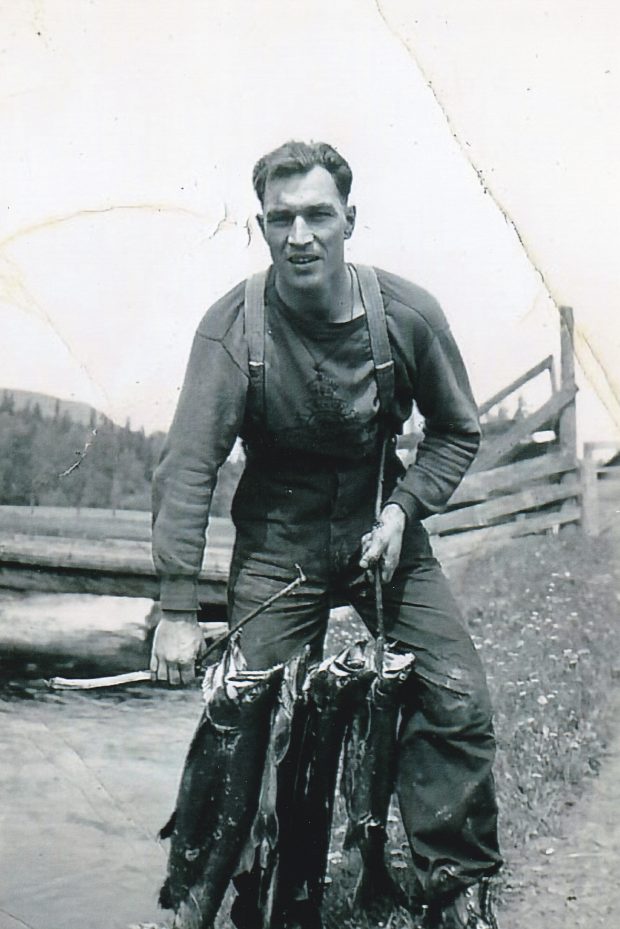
x,y
451,440
207,421
451,430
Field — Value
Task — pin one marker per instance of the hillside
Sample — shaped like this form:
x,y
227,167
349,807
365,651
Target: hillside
x,y
50,406
64,453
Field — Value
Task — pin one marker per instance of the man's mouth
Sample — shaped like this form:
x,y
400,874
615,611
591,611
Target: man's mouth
x,y
302,259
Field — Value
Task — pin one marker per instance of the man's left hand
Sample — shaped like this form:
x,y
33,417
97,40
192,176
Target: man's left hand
x,y
383,543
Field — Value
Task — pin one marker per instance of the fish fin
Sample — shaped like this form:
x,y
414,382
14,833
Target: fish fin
x,y
376,892
165,898
350,839
166,831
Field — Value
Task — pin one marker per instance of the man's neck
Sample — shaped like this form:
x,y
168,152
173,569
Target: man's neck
x,y
332,303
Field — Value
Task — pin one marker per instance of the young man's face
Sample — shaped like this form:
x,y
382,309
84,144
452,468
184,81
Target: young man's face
x,y
305,223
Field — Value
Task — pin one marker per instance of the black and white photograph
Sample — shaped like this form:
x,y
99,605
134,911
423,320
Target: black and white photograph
x,y
310,465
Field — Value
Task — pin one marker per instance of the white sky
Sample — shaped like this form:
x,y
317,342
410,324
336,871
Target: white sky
x,y
128,131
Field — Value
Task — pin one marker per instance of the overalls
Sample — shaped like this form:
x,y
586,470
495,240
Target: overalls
x,y
312,510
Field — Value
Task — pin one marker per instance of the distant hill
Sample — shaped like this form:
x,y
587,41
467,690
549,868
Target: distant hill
x,y
65,453
78,411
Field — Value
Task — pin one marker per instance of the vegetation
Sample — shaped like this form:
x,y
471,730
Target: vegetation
x,y
51,457
544,615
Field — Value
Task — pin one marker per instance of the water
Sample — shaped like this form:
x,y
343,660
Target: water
x,y
87,778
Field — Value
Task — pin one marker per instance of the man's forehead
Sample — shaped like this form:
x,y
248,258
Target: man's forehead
x,y
301,189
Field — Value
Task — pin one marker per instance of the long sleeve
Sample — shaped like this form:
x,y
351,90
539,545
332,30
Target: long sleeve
x,y
429,371
207,421
451,432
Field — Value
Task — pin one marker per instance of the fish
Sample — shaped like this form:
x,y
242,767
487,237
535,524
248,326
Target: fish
x,y
335,687
367,783
219,789
264,883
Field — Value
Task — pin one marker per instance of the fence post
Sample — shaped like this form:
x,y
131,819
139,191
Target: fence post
x,y
589,499
567,424
568,416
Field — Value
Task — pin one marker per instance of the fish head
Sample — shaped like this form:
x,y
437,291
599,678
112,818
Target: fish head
x,y
344,673
396,669
231,690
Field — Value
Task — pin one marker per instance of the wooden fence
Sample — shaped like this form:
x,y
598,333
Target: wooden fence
x,y
601,488
506,493
97,551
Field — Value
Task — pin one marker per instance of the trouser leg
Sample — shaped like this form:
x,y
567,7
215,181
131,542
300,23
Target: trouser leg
x,y
446,743
296,620
445,787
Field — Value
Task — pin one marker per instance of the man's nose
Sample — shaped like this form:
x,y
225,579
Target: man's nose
x,y
299,233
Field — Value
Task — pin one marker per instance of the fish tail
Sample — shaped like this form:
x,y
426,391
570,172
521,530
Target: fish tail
x,y
376,891
165,897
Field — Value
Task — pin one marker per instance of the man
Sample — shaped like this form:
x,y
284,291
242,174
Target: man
x,y
313,390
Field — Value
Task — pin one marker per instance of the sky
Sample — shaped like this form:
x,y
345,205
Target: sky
x,y
483,136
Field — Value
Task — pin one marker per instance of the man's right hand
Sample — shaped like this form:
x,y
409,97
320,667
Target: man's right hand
x,y
178,642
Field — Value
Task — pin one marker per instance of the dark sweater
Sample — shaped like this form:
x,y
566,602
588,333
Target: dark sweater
x,y
321,399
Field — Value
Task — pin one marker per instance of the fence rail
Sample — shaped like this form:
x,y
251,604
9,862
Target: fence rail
x,y
504,495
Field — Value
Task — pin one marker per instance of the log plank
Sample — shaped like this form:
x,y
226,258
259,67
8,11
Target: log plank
x,y
114,567
131,556
476,541
483,514
545,365
495,452
93,523
46,579
482,485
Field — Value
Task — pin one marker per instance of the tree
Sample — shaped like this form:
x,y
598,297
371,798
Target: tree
x,y
8,402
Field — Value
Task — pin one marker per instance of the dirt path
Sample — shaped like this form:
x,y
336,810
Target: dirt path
x,y
572,881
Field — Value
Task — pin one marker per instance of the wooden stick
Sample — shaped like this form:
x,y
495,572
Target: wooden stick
x,y
90,683
380,639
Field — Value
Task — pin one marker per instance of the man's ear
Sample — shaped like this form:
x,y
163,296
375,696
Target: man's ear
x,y
260,219
350,215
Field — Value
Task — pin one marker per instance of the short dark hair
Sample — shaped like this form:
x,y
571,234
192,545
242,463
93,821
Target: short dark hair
x,y
299,158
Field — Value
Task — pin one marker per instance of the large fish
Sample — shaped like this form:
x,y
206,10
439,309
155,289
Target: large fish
x,y
219,789
266,881
368,782
335,688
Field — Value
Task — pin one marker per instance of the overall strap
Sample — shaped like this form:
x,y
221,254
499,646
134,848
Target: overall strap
x,y
254,315
379,341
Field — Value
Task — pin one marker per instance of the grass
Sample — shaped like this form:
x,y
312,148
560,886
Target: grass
x,y
544,615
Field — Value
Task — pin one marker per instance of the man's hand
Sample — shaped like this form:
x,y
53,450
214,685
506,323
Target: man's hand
x,y
383,543
177,644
